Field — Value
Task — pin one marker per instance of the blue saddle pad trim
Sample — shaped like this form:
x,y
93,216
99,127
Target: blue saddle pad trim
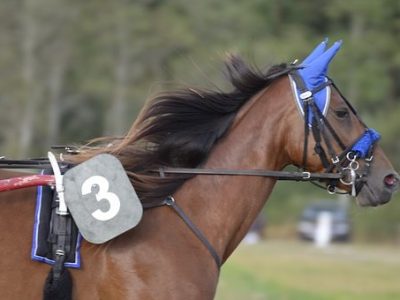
x,y
41,232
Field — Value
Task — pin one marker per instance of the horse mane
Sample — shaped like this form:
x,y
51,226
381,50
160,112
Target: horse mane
x,y
179,129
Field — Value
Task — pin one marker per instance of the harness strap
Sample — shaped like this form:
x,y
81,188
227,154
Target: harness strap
x,y
318,147
280,175
321,86
318,122
170,201
331,130
60,248
306,134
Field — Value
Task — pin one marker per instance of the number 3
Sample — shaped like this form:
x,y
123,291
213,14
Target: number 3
x,y
102,194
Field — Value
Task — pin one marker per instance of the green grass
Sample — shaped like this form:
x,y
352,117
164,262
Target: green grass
x,y
281,270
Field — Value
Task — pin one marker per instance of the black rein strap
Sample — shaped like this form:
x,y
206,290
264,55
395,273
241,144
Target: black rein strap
x,y
281,175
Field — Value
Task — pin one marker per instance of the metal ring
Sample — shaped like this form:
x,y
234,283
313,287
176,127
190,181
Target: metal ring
x,y
331,189
354,165
352,176
169,200
351,158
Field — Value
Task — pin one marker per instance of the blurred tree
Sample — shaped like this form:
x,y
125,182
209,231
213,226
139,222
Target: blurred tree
x,y
32,91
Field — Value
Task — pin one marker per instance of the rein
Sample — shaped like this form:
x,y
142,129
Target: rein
x,y
280,175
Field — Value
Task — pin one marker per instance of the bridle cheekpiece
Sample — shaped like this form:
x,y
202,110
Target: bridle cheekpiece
x,y
312,90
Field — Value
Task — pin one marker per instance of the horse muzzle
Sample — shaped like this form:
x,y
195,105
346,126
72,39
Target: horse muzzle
x,y
376,193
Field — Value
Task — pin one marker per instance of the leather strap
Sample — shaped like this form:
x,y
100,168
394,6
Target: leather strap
x,y
170,201
281,175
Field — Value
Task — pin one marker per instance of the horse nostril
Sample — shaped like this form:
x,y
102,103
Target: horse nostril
x,y
391,180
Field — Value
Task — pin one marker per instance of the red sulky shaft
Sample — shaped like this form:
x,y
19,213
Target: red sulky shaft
x,y
25,182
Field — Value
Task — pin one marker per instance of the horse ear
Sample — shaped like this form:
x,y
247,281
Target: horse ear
x,y
319,66
320,49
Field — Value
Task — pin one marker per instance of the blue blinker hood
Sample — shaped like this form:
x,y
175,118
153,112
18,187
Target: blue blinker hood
x,y
313,70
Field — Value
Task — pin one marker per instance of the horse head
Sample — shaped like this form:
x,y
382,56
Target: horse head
x,y
327,134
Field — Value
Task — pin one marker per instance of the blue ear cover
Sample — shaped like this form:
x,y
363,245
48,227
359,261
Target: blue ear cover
x,y
314,70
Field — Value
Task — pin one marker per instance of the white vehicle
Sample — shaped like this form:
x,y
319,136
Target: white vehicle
x,y
340,228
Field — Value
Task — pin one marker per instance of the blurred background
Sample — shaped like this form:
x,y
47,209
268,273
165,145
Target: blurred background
x,y
75,70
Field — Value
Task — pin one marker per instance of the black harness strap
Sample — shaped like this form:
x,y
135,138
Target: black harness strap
x,y
58,284
318,122
318,146
317,126
281,175
330,128
306,133
170,201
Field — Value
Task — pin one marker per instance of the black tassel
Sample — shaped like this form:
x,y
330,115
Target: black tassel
x,y
58,289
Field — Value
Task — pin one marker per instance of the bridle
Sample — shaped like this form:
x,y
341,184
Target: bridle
x,y
346,162
343,167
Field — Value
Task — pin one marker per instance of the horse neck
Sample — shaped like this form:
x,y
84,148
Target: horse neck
x,y
224,207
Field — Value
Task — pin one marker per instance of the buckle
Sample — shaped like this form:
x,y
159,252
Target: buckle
x,y
335,160
306,175
369,159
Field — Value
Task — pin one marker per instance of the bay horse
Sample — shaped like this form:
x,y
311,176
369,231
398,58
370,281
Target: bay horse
x,y
256,126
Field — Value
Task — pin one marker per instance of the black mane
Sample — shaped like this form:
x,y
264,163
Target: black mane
x,y
179,128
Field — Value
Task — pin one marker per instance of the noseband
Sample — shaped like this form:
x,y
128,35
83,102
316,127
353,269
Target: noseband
x,y
346,162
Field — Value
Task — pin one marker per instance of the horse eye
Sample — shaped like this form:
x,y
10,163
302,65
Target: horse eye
x,y
342,113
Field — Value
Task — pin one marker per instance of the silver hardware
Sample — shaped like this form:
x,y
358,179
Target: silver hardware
x,y
352,180
354,165
331,189
162,173
335,160
351,158
353,189
352,177
169,200
305,95
306,175
60,252
369,159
